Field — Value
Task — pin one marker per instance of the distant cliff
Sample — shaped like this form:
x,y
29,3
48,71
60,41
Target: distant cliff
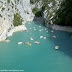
x,y
53,11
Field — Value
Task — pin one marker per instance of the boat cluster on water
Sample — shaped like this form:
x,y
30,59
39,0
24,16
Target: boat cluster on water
x,y
28,43
36,42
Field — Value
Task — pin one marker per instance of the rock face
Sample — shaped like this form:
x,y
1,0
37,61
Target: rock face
x,y
7,10
24,8
59,27
50,11
50,8
54,13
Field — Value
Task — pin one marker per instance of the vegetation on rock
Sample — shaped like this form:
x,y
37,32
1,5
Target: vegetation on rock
x,y
3,9
64,14
9,29
37,12
0,15
17,20
55,15
31,2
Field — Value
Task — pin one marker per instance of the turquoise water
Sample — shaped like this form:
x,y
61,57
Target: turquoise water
x,y
37,57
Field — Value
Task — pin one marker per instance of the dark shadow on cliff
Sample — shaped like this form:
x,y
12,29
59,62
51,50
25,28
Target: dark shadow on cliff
x,y
64,14
63,40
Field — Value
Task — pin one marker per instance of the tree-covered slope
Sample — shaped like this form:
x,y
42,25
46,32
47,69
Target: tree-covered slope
x,y
64,14
54,11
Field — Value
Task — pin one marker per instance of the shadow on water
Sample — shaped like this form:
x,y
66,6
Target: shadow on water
x,y
63,39
39,21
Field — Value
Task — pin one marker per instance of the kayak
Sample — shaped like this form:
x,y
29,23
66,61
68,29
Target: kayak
x,y
27,43
37,42
56,47
19,42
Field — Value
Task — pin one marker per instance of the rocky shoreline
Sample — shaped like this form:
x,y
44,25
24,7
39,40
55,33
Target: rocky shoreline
x,y
58,27
10,33
15,29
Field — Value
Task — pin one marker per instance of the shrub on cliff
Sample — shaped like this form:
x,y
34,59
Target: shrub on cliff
x,y
3,9
62,16
17,20
34,1
8,1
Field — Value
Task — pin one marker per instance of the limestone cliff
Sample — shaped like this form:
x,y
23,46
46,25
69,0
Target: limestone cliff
x,y
8,9
48,8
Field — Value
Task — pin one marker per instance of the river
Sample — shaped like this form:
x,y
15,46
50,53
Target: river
x,y
37,57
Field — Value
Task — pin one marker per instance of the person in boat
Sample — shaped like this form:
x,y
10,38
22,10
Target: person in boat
x,y
26,30
26,42
21,30
37,42
31,38
41,29
56,47
52,31
54,36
